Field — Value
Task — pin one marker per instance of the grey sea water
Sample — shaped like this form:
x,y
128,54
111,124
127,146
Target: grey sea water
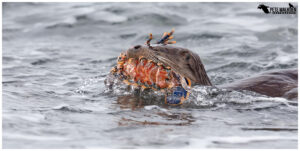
x,y
56,57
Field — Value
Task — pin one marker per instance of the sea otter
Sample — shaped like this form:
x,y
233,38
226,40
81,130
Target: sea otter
x,y
174,70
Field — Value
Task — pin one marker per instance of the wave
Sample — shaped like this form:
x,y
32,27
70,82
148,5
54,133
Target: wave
x,y
157,19
68,108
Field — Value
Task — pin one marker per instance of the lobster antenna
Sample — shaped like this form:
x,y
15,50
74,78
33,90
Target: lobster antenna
x,y
149,40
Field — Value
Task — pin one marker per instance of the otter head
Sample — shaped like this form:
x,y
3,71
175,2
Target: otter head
x,y
180,60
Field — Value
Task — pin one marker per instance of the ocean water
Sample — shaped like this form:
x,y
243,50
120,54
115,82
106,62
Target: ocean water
x,y
56,57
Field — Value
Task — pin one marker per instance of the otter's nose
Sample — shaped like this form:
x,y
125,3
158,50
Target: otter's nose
x,y
137,46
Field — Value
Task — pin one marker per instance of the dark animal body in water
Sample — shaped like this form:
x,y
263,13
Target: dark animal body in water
x,y
174,70
276,83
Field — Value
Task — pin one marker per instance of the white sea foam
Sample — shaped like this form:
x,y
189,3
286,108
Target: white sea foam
x,y
209,141
31,117
153,107
32,137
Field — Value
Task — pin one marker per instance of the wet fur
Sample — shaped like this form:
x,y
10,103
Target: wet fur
x,y
277,83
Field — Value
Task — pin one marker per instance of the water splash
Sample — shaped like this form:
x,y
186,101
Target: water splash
x,y
201,96
207,96
88,83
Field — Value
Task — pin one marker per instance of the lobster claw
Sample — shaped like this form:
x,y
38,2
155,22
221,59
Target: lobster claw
x,y
166,37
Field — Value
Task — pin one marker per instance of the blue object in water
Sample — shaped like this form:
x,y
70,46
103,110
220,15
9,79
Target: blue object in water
x,y
179,94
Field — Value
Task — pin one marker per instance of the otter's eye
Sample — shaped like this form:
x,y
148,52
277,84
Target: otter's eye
x,y
137,46
187,57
